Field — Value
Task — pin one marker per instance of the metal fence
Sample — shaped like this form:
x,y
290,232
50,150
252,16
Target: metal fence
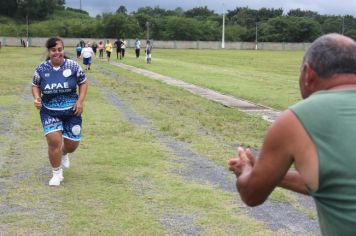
x,y
72,42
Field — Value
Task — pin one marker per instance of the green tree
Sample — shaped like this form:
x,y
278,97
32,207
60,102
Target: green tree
x,y
176,12
235,33
112,24
274,30
61,2
351,33
153,12
242,16
211,31
264,14
181,28
289,29
303,29
122,9
302,13
120,26
36,9
8,7
332,25
200,13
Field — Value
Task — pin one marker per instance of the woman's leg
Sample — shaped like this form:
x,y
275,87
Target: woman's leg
x,y
54,141
69,146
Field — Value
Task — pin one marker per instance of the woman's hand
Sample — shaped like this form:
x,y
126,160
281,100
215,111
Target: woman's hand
x,y
78,108
37,102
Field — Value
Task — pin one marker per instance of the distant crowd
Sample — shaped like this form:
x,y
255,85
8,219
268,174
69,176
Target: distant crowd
x,y
87,50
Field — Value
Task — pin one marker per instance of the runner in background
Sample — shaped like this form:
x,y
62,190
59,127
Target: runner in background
x,y
87,54
148,52
137,46
108,49
101,49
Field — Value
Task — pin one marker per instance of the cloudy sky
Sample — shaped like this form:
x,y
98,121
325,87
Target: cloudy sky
x,y
330,7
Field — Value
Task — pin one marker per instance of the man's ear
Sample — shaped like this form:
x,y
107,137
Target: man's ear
x,y
311,78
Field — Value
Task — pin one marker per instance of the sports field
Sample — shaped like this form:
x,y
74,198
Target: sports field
x,y
153,157
265,77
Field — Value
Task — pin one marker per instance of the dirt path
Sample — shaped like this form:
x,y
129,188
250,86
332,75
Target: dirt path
x,y
278,216
267,113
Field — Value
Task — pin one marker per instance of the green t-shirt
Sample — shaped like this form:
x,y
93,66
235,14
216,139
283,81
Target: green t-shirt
x,y
329,117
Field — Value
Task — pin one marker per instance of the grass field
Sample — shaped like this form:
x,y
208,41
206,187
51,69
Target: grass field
x,y
265,77
134,172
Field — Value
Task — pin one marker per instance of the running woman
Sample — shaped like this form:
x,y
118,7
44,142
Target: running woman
x,y
87,54
148,52
54,89
108,49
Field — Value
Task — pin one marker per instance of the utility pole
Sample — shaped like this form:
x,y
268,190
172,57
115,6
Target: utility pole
x,y
223,29
343,25
27,26
80,4
148,29
256,39
27,30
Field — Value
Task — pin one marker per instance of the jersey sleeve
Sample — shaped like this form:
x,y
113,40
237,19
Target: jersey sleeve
x,y
81,77
36,79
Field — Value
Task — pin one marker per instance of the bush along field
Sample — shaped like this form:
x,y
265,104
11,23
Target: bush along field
x,y
152,160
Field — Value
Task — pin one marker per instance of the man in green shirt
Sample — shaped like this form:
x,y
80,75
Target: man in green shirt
x,y
317,136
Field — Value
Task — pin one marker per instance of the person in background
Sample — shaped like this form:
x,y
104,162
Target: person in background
x,y
108,49
123,47
148,52
87,54
94,46
78,50
54,90
118,44
317,136
82,43
137,46
101,49
23,43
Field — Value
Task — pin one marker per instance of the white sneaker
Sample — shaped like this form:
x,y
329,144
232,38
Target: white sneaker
x,y
65,161
57,177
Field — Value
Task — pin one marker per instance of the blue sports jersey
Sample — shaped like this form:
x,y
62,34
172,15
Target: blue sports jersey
x,y
59,85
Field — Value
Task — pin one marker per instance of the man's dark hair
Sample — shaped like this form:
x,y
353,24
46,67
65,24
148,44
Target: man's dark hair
x,y
332,54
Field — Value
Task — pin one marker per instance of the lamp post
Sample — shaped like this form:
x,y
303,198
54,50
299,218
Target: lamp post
x,y
148,29
256,39
27,34
27,26
223,29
